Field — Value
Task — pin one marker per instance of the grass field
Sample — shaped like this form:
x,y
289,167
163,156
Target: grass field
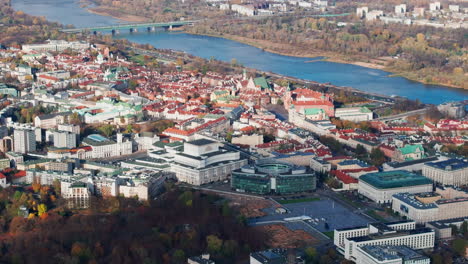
x,y
329,234
299,200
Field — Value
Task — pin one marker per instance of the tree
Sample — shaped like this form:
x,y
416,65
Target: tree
x,y
360,151
41,209
106,130
459,246
377,157
179,256
36,187
129,129
214,243
310,254
464,228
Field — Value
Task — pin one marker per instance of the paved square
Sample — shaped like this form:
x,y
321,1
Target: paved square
x,y
324,213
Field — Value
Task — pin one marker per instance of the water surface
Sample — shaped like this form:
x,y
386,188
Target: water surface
x,y
365,79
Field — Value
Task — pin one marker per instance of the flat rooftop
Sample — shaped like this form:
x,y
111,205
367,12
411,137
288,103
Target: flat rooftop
x,y
449,165
201,142
394,179
385,252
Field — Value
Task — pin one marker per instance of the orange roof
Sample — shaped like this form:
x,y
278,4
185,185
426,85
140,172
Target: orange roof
x,y
20,174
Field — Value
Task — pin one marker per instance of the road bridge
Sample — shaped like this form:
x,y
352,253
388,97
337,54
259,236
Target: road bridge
x,y
131,27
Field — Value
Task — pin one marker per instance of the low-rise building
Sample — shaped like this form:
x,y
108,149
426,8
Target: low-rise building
x,y
387,254
203,161
449,172
409,152
380,186
396,234
425,207
77,193
272,176
104,148
444,228
355,114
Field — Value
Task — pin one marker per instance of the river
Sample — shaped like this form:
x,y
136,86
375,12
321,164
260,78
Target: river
x,y
365,79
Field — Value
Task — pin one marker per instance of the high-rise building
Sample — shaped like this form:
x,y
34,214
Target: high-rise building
x,y
64,139
24,140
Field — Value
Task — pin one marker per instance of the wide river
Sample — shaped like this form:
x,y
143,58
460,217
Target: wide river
x,y
365,79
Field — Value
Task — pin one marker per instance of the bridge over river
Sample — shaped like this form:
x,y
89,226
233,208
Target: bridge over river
x,y
131,27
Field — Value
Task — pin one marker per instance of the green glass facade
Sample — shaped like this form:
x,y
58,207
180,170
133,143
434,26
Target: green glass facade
x,y
273,177
259,184
295,183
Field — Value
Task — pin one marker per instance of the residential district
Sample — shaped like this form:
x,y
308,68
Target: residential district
x,y
379,189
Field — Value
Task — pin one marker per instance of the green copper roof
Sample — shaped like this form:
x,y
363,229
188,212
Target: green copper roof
x,y
365,110
408,149
262,82
313,111
394,179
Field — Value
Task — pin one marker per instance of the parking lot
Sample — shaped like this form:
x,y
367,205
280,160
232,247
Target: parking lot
x,y
326,215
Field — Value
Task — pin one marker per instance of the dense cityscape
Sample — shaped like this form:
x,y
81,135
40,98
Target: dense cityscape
x,y
118,152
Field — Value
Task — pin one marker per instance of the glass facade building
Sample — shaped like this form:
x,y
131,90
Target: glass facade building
x,y
273,177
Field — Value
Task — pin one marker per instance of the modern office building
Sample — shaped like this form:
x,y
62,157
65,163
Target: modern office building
x,y
395,234
203,161
380,186
24,140
369,254
448,172
273,176
425,207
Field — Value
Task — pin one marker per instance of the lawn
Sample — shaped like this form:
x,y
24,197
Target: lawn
x,y
375,215
329,234
303,200
140,59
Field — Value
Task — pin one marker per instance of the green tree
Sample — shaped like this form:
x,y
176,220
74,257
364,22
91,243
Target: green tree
x,y
106,130
41,209
310,254
214,243
179,256
377,157
459,246
360,151
129,128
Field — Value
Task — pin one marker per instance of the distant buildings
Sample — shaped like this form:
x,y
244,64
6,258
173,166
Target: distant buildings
x,y
272,176
380,186
449,172
349,240
454,110
204,161
56,45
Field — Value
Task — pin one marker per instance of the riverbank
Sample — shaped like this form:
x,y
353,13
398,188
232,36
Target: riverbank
x,y
285,49
294,51
102,11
